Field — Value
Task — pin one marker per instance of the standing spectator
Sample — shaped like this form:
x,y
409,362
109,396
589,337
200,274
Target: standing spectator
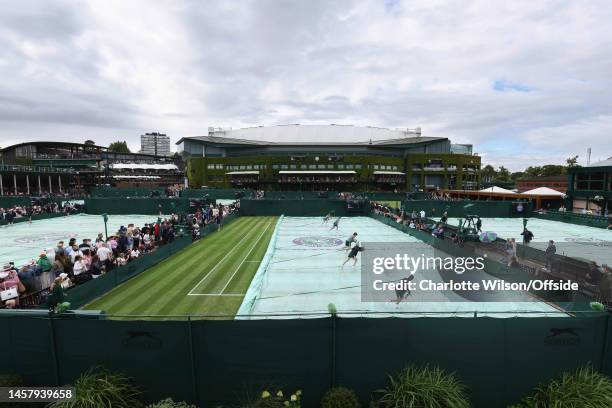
x,y
551,250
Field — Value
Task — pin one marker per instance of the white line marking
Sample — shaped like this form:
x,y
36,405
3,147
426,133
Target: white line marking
x,y
247,255
217,294
218,263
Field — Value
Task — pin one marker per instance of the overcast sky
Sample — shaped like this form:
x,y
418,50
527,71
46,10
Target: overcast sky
x,y
528,83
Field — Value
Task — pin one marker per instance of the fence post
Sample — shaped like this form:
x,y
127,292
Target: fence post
x,y
54,352
334,316
194,380
604,353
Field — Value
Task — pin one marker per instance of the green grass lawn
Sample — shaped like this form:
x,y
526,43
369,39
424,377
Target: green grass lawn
x,y
207,278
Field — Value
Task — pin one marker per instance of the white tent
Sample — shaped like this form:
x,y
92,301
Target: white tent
x,y
495,189
544,191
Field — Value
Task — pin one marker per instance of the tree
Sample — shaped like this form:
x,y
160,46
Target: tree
x,y
119,147
503,174
572,161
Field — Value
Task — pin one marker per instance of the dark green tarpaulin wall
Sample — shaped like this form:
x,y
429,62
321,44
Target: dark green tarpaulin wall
x,y
578,219
136,205
300,208
434,208
221,362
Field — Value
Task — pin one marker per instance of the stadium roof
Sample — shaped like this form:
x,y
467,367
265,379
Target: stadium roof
x,y
49,143
386,142
603,163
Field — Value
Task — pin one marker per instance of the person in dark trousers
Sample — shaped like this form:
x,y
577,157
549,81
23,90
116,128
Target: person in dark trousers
x,y
551,250
527,236
479,225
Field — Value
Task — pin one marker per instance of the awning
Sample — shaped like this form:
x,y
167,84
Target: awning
x,y
237,173
393,173
316,172
146,166
137,177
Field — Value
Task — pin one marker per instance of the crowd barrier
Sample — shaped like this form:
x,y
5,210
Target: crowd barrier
x,y
492,209
81,295
212,362
597,221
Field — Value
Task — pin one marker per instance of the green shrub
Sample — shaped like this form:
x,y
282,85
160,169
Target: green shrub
x,y
340,397
169,403
583,388
277,400
423,387
10,380
98,387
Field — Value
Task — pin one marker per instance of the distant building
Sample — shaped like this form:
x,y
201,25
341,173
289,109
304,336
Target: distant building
x,y
558,183
40,168
157,144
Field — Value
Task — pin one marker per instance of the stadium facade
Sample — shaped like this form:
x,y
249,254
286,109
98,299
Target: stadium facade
x,y
51,167
590,187
328,157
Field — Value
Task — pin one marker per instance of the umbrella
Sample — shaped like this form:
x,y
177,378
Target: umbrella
x,y
487,236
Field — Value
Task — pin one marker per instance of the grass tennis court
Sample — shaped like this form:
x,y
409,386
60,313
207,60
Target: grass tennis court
x,y
209,277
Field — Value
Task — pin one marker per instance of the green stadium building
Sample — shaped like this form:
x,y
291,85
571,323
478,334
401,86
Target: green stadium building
x,y
590,187
328,157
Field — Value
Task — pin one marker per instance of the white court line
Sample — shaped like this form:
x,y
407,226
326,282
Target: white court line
x,y
218,294
217,265
247,255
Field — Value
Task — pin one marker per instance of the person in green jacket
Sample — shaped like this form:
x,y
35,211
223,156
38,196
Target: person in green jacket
x,y
56,295
44,262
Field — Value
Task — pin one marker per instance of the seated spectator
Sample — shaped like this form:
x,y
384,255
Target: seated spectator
x,y
79,266
10,287
120,260
135,253
58,267
43,262
97,267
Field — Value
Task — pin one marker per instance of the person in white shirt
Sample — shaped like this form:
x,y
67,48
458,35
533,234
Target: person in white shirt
x,y
104,254
79,266
75,252
422,213
135,253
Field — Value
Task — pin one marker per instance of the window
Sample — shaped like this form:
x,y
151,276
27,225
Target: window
x,y
341,166
330,166
242,167
303,166
219,166
292,166
320,166
275,166
358,166
210,166
350,166
312,166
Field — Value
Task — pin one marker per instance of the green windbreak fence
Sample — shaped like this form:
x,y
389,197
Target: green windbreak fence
x,y
493,209
303,208
44,216
83,294
214,193
578,219
126,192
9,201
212,363
149,205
